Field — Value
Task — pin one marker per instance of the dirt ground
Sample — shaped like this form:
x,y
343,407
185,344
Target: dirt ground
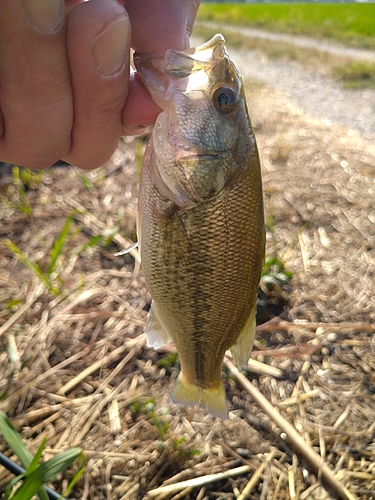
x,y
75,368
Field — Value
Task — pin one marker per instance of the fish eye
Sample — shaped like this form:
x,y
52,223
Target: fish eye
x,y
225,99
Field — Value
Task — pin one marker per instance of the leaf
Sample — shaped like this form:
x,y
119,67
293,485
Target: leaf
x,y
76,476
45,472
14,440
38,455
109,234
91,243
14,302
9,489
59,243
33,267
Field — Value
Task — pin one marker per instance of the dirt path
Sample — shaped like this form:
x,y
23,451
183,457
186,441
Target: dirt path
x,y
317,95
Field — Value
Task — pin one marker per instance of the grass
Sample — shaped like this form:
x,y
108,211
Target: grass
x,y
118,413
51,277
355,74
37,473
350,23
348,73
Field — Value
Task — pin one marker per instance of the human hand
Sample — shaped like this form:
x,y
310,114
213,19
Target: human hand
x,y
66,91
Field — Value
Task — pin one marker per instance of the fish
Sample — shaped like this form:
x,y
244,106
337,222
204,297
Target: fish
x,y
200,219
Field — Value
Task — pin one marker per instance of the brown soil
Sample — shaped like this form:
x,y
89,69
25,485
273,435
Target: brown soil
x,y
75,368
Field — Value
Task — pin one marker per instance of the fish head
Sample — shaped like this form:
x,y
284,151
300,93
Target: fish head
x,y
203,136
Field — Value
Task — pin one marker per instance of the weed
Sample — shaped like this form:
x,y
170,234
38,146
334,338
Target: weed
x,y
169,361
148,406
91,180
47,277
29,179
35,268
182,451
161,425
274,273
59,243
140,404
52,277
13,303
355,74
273,294
18,191
37,473
108,234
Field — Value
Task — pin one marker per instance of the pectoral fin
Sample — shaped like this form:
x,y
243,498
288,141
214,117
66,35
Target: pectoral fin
x,y
157,334
241,349
212,400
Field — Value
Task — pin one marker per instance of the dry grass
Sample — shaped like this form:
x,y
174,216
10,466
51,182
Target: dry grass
x,y
75,369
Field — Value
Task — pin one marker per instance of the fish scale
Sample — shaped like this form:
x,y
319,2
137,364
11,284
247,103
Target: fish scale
x,y
201,228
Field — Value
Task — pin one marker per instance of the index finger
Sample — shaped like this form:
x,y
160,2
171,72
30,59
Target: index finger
x,y
158,25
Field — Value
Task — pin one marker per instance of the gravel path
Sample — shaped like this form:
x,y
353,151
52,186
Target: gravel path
x,y
317,95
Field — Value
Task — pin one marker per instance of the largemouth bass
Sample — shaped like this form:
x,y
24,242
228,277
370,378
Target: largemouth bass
x,y
200,218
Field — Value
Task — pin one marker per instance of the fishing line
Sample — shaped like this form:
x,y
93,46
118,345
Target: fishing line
x,y
126,250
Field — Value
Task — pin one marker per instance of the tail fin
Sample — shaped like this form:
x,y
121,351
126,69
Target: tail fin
x,y
212,400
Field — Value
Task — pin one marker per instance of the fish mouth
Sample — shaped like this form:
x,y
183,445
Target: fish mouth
x,y
192,157
198,156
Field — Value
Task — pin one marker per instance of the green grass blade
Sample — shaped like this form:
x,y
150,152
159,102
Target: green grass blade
x,y
60,243
91,243
15,442
10,486
45,472
33,267
109,233
76,476
13,439
38,455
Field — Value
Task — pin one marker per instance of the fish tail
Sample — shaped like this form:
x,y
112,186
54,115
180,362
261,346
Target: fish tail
x,y
212,400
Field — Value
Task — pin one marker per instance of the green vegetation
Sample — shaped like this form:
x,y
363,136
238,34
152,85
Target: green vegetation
x,y
169,361
36,473
23,180
274,272
52,276
349,73
140,404
161,423
355,74
48,277
352,24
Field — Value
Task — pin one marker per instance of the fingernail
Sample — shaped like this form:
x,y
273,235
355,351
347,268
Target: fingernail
x,y
135,130
44,15
111,46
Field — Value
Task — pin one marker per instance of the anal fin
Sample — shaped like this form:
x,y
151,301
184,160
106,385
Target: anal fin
x,y
157,334
241,349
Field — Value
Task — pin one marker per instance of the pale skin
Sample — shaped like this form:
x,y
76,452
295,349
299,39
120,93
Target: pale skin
x,y
66,89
